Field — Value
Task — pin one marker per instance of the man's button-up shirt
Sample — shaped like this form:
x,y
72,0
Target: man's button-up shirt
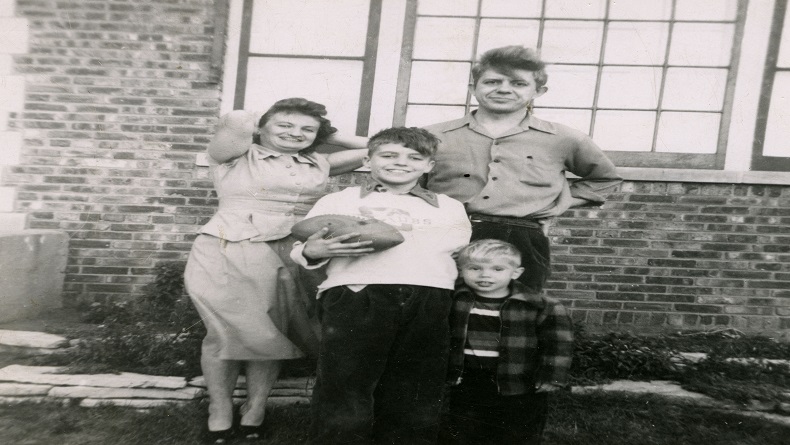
x,y
520,173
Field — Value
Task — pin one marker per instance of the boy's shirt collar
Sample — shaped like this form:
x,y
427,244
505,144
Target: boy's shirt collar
x,y
426,195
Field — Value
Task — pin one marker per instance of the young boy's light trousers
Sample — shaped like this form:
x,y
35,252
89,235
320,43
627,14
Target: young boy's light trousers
x,y
382,365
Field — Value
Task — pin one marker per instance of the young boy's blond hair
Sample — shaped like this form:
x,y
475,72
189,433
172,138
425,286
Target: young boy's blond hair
x,y
488,249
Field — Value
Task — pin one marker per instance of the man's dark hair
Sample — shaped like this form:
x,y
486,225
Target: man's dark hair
x,y
509,58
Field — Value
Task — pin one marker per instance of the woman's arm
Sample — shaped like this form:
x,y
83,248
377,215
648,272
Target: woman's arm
x,y
233,137
350,159
345,161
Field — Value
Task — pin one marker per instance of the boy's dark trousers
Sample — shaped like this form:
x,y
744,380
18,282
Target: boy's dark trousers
x,y
382,365
477,414
529,240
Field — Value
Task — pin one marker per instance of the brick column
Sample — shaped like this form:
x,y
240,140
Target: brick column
x,y
13,40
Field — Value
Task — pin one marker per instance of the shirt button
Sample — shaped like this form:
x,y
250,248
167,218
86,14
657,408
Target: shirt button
x,y
298,183
293,173
494,178
288,166
485,197
496,160
467,175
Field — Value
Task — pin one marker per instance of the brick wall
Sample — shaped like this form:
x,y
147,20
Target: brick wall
x,y
679,256
119,100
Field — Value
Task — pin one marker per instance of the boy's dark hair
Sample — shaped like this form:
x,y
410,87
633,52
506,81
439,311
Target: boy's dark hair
x,y
509,58
419,140
298,105
487,249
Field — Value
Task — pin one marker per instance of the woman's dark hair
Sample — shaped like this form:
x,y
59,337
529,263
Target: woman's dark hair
x,y
298,105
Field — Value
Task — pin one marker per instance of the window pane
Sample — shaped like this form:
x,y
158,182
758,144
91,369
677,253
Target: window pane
x,y
446,7
640,9
337,31
783,60
495,33
334,83
439,82
777,131
701,44
624,130
578,119
688,132
706,9
636,43
575,9
572,41
629,87
570,86
443,38
422,115
700,89
511,8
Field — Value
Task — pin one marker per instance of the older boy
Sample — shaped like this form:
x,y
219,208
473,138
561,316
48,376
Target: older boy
x,y
508,167
509,348
385,338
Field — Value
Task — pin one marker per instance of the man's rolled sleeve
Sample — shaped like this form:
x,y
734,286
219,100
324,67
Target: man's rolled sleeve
x,y
597,174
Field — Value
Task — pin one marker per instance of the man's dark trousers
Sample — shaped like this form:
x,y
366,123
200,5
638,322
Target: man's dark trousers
x,y
382,365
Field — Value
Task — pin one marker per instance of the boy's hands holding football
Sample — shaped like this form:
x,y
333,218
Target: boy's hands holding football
x,y
316,247
327,236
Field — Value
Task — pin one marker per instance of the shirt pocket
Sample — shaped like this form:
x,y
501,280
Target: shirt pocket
x,y
537,174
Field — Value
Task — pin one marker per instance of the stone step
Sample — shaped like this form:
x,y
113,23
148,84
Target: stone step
x,y
23,389
31,339
51,375
92,392
297,383
129,403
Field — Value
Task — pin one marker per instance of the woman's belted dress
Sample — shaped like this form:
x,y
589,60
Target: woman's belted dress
x,y
253,299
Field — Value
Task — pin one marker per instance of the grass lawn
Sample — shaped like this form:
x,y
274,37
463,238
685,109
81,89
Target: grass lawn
x,y
601,419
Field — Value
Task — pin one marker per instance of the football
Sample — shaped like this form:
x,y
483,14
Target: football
x,y
382,234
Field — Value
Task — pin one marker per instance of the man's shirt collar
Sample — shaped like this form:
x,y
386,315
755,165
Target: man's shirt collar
x,y
426,195
469,120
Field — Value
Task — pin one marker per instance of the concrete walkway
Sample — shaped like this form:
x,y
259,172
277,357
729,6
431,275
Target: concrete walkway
x,y
38,383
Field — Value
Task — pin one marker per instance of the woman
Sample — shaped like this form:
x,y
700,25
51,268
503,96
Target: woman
x,y
239,276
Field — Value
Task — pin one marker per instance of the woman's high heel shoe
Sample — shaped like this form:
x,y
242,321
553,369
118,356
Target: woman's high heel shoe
x,y
251,433
222,437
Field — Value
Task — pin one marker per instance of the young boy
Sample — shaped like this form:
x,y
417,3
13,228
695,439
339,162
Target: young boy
x,y
509,349
385,337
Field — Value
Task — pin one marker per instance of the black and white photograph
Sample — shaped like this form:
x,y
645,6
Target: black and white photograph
x,y
395,222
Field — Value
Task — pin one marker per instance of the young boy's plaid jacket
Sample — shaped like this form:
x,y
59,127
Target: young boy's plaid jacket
x,y
535,340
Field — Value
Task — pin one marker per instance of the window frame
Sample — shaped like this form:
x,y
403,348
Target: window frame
x,y
760,161
636,159
368,60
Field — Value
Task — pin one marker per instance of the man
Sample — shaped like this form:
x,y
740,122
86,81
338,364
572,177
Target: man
x,y
508,167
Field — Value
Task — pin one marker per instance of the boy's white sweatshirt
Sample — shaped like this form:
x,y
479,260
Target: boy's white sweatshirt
x,y
432,234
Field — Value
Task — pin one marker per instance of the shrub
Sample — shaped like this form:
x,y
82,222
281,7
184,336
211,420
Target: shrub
x,y
619,356
158,333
